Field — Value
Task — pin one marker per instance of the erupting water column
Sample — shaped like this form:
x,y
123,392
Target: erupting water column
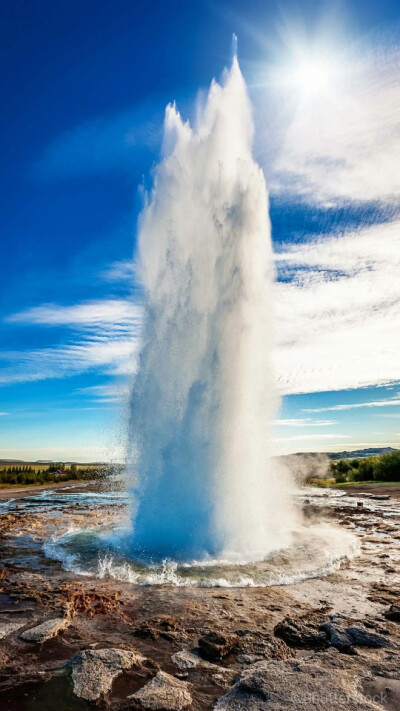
x,y
199,451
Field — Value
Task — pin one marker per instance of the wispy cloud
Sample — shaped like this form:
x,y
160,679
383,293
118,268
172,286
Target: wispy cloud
x,y
111,392
114,312
104,338
393,402
121,270
102,145
311,437
338,315
304,422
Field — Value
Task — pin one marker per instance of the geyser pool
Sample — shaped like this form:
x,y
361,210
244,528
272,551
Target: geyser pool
x,y
199,460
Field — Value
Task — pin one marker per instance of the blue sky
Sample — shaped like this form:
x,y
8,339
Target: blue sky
x,y
84,87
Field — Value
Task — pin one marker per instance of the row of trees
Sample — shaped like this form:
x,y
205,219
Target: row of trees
x,y
385,467
28,475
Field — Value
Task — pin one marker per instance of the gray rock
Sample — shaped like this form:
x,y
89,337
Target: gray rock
x,y
46,630
164,693
346,638
361,638
7,628
249,658
295,685
188,660
185,660
94,670
339,638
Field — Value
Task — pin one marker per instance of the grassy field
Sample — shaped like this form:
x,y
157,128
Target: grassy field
x,y
37,466
349,484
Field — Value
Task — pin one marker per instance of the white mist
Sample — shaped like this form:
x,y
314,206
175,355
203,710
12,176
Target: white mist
x,y
203,478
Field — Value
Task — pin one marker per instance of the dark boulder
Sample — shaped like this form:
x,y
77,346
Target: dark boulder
x,y
346,638
393,613
301,634
216,645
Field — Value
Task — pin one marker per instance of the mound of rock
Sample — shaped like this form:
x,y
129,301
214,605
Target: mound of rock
x,y
255,647
216,645
94,670
8,627
164,693
161,627
346,638
295,685
301,633
186,660
307,632
46,630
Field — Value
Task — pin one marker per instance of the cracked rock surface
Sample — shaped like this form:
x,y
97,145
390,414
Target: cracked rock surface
x,y
295,685
94,670
45,631
164,693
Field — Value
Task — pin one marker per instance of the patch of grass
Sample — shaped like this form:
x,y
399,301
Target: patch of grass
x,y
346,484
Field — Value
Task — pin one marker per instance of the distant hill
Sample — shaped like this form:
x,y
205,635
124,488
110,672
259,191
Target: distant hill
x,y
361,453
51,461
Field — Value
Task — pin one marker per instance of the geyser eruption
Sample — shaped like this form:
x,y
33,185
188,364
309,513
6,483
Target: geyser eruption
x,y
203,478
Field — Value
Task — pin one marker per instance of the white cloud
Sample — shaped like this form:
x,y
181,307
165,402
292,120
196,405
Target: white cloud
x,y
113,312
111,392
313,437
105,338
304,422
338,318
121,270
392,402
109,356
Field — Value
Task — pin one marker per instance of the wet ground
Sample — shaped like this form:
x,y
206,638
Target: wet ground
x,y
232,629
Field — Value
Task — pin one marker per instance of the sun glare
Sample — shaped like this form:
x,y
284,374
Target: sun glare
x,y
310,76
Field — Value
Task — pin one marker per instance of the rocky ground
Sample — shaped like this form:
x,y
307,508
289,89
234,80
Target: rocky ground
x,y
70,643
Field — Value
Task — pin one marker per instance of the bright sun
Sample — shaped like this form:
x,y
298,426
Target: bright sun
x,y
311,76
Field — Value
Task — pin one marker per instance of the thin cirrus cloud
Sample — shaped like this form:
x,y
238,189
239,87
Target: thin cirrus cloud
x,y
311,437
104,337
106,393
304,422
389,402
115,312
101,145
113,356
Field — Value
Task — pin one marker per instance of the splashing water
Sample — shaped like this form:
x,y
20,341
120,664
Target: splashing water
x,y
203,480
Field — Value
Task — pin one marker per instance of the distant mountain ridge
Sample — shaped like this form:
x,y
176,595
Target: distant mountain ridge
x,y
49,461
361,453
